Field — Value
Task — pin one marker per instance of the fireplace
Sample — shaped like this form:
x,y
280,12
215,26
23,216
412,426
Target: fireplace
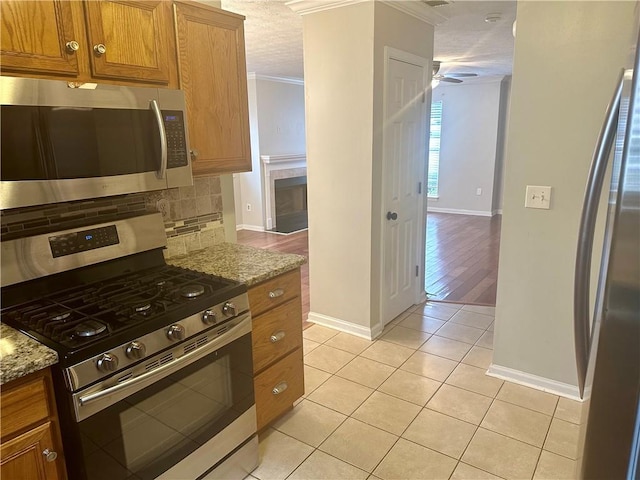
x,y
291,204
292,169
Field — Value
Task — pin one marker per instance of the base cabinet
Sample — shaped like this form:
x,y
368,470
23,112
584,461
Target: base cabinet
x,y
278,365
31,447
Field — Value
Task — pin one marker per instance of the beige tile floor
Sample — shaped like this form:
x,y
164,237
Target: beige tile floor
x,y
416,404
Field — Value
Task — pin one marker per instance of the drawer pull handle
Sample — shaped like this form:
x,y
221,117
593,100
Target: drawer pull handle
x,y
49,456
277,336
278,292
279,388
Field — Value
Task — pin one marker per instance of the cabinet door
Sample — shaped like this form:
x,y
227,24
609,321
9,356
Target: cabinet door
x,y
23,458
135,39
213,75
35,37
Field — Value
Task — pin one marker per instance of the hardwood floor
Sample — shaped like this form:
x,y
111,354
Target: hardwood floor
x,y
462,257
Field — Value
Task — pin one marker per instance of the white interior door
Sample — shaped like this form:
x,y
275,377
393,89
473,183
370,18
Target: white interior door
x,y
404,147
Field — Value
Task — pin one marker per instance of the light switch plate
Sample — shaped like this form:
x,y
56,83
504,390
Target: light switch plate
x,y
538,197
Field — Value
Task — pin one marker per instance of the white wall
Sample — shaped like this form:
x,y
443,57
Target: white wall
x,y
468,146
344,85
276,124
338,72
501,144
567,59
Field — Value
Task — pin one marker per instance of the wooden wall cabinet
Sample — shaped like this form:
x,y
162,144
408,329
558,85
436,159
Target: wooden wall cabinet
x,y
213,75
31,447
106,41
276,309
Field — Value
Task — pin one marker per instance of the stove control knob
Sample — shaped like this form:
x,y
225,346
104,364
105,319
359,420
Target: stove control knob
x,y
209,317
107,362
135,350
229,309
176,332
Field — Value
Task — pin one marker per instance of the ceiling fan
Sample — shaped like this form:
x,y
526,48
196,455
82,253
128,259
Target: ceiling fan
x,y
450,77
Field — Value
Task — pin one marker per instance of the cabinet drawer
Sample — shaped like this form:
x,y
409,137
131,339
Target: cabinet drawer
x,y
24,405
285,377
276,333
274,292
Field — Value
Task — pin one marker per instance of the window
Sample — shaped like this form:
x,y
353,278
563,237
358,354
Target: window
x,y
434,148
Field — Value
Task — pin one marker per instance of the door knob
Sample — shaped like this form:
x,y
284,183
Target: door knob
x,y
392,215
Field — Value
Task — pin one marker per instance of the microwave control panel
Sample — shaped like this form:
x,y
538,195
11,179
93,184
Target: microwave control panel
x,y
76,242
177,155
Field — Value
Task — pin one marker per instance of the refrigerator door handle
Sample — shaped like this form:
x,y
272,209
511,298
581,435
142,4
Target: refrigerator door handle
x,y
595,181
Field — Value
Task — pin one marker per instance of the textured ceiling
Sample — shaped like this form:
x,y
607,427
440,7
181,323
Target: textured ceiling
x,y
464,43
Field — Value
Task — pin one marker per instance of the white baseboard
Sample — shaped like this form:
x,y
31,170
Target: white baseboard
x,y
253,228
344,326
456,211
422,297
534,381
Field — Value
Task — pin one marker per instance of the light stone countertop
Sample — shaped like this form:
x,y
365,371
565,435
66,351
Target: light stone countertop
x,y
21,355
239,262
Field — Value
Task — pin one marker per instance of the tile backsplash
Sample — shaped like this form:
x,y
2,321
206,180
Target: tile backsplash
x,y
192,215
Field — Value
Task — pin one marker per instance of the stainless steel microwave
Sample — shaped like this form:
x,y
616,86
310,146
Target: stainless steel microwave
x,y
61,143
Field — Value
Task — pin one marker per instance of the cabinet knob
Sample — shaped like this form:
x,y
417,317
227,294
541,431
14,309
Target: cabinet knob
x,y
277,336
278,292
194,154
100,49
279,388
49,456
72,46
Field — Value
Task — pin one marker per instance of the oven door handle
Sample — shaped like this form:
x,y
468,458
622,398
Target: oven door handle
x,y
243,327
162,171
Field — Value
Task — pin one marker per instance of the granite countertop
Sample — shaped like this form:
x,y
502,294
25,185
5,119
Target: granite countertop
x,y
239,262
21,355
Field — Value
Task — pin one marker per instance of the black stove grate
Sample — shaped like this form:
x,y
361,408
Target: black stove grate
x,y
81,315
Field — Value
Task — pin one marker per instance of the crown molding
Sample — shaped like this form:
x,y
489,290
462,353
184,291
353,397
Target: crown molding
x,y
271,78
415,8
305,7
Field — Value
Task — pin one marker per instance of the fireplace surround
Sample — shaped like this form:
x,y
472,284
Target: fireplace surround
x,y
279,167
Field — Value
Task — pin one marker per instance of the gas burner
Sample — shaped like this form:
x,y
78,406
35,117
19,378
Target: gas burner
x,y
60,317
142,308
191,291
89,328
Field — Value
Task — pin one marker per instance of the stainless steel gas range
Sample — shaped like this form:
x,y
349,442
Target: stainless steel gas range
x,y
155,376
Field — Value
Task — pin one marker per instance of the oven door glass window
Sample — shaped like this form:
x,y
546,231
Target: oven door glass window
x,y
48,143
147,433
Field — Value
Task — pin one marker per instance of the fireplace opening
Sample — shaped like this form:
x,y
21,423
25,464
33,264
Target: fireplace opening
x,y
291,204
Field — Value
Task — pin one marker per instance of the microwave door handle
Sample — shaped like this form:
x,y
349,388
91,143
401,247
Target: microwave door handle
x,y
153,105
597,171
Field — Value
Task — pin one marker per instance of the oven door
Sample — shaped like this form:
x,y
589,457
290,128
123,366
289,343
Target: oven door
x,y
173,419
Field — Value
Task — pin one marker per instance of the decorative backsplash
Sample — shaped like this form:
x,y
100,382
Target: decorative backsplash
x,y
192,215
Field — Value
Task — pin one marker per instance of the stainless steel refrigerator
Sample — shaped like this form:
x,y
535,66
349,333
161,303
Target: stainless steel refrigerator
x,y
608,340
